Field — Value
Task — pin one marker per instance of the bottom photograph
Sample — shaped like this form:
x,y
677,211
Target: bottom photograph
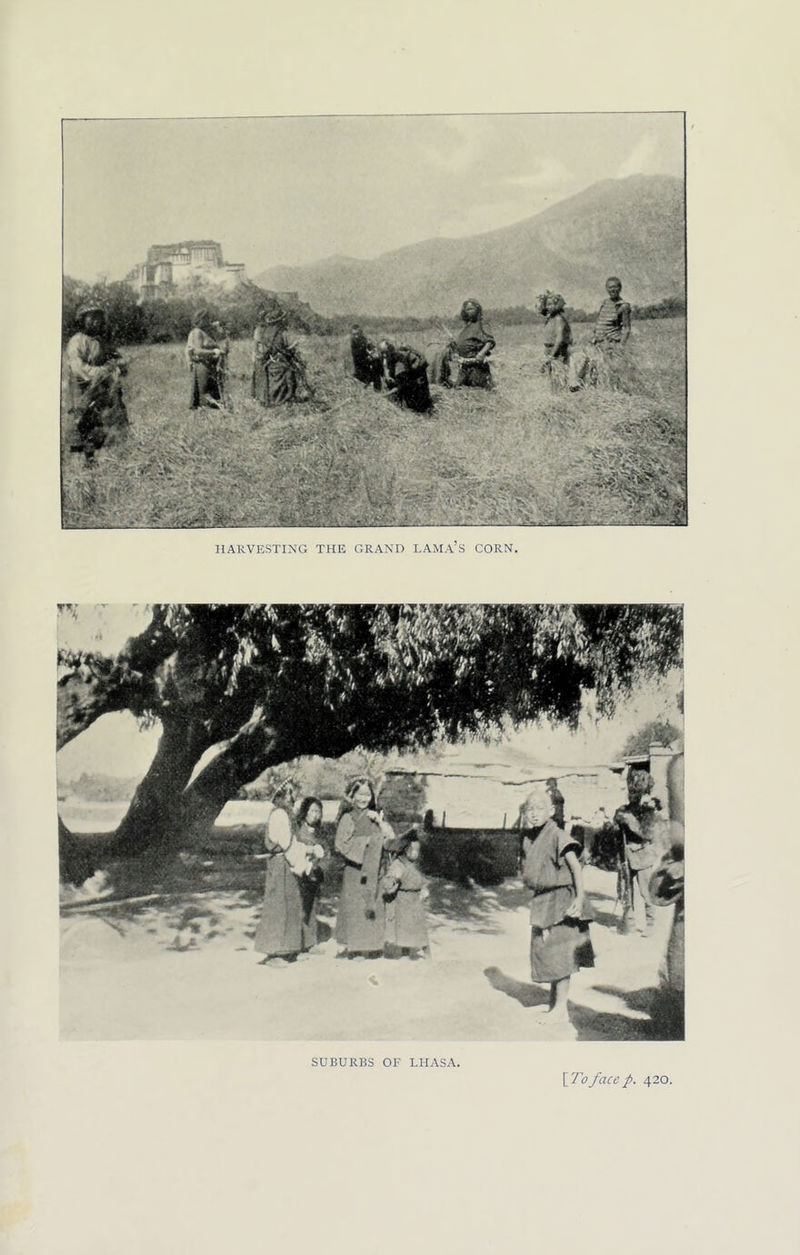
x,y
321,823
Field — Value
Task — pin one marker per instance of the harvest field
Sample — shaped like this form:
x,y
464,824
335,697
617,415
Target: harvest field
x,y
520,455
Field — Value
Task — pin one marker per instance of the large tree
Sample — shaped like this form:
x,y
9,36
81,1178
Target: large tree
x,y
267,683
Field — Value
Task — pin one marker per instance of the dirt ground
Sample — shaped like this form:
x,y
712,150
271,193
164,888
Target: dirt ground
x,y
186,969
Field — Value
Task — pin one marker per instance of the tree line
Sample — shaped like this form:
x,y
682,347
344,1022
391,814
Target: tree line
x,y
170,319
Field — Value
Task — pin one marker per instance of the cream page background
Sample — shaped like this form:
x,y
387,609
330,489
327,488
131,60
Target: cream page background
x,y
115,1149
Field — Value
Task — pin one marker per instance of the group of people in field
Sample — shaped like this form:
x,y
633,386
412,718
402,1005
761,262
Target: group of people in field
x,y
382,911
404,374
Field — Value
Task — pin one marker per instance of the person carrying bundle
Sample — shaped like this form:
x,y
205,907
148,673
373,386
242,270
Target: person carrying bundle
x,y
203,356
469,352
276,364
95,371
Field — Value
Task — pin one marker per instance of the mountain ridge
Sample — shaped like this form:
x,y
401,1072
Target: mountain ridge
x,y
632,226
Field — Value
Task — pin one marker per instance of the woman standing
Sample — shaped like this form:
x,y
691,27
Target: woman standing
x,y
279,935
557,338
560,942
308,821
202,358
472,347
361,838
274,373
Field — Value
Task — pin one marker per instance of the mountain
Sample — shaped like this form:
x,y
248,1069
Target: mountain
x,y
632,227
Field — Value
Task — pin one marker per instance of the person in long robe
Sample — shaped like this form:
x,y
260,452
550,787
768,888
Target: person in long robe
x,y
666,889
472,348
640,829
95,369
405,376
274,361
560,941
202,358
220,334
307,826
361,836
404,889
279,936
366,362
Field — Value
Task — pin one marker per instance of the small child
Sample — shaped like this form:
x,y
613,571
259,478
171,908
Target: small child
x,y
560,942
403,887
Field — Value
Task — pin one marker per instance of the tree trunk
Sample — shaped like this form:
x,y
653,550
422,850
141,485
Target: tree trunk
x,y
255,747
152,827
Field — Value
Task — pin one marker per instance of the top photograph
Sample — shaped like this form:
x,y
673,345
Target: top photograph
x,y
374,321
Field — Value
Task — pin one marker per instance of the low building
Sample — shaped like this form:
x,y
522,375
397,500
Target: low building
x,y
169,267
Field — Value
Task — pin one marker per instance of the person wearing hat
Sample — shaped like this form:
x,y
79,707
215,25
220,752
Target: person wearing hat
x,y
203,357
274,369
95,369
560,942
293,854
403,887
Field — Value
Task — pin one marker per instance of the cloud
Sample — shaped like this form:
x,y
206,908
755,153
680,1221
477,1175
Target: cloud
x,y
642,159
550,173
458,145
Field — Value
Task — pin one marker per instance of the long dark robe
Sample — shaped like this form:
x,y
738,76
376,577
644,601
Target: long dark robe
x,y
470,340
361,920
406,371
280,929
96,408
366,367
274,375
204,382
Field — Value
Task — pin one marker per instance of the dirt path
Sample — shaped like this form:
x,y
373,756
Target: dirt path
x,y
123,978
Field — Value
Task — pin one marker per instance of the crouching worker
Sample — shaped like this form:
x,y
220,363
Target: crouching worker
x,y
365,361
560,942
404,890
405,377
95,372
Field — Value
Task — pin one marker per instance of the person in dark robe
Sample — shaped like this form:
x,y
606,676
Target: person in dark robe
x,y
472,347
640,830
280,935
275,373
557,798
202,358
361,836
403,887
308,821
405,377
220,334
666,888
95,369
365,358
560,940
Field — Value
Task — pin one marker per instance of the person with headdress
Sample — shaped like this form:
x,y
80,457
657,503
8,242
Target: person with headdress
x,y
274,358
307,824
405,376
361,837
366,361
403,888
291,857
639,828
202,358
95,369
560,941
557,337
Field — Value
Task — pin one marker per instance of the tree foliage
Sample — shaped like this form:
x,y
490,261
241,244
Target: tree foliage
x,y
269,683
656,732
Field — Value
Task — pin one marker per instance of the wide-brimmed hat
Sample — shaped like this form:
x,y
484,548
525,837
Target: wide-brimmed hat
x,y
200,316
90,307
272,314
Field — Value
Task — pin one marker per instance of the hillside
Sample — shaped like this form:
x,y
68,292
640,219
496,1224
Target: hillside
x,y
633,227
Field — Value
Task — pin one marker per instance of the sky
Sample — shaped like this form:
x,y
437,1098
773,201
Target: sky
x,y
115,745
288,191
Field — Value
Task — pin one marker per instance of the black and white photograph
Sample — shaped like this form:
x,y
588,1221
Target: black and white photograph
x,y
377,320
398,822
